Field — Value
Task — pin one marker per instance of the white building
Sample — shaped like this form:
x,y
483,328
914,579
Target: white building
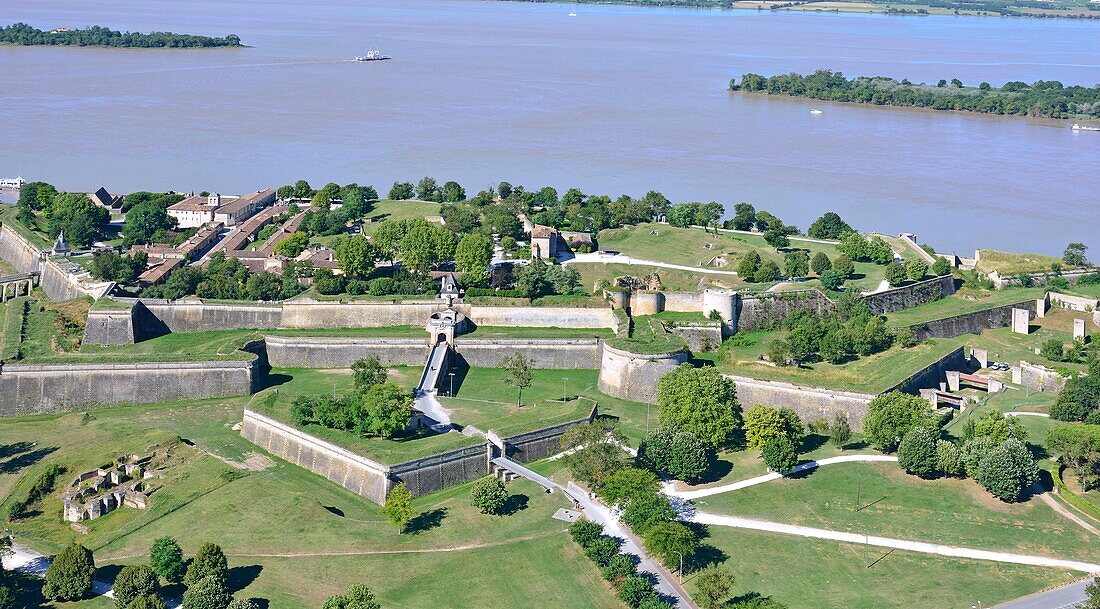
x,y
198,210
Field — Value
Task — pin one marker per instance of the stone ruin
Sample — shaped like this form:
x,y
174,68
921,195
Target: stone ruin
x,y
649,283
97,492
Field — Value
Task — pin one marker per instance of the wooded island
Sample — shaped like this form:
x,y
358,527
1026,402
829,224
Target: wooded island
x,y
98,36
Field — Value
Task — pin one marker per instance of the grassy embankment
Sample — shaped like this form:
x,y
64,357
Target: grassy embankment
x,y
292,537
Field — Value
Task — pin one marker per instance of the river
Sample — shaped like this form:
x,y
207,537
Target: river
x,y
615,100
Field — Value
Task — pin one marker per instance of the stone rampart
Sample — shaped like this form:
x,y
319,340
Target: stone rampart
x,y
109,327
558,354
1038,378
970,323
321,314
17,251
1071,277
354,472
809,402
684,302
934,373
764,311
194,316
634,376
335,352
909,296
444,470
700,337
38,388
539,317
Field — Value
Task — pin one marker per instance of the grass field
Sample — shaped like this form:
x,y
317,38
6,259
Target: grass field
x,y
277,522
388,209
696,247
819,574
1012,263
966,300
895,504
593,274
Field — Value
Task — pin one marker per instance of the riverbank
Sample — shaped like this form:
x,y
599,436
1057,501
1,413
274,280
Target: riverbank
x,y
21,34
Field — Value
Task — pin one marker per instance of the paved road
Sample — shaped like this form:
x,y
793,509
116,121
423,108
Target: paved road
x,y
1070,596
671,491
606,258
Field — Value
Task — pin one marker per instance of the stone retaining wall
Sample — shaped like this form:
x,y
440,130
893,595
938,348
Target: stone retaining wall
x,y
907,297
335,352
109,327
556,354
970,323
1038,378
17,251
701,338
539,317
809,402
634,376
935,373
765,311
38,388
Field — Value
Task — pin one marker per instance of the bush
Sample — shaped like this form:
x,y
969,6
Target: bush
x,y
210,592
489,495
69,576
972,453
619,567
585,532
208,562
890,416
166,560
1008,471
917,453
780,454
133,582
635,590
679,454
147,602
601,550
948,459
328,283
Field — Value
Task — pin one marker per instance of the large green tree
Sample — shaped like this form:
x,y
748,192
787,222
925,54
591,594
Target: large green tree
x,y
208,562
134,581
489,495
388,408
398,508
918,452
828,226
144,222
890,416
700,401
356,256
1008,471
82,221
474,252
166,559
69,576
210,592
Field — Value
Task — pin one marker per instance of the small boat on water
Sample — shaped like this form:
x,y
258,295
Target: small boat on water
x,y
1078,127
815,111
572,13
372,55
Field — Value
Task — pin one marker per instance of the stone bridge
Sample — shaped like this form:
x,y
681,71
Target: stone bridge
x,y
20,285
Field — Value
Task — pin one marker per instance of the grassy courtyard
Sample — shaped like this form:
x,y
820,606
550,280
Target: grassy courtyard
x,y
966,300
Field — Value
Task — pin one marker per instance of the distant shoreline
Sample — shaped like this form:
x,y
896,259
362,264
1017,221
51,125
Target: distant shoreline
x,y
986,8
22,34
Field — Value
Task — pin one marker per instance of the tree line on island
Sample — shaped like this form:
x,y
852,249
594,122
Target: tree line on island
x,y
1048,98
99,36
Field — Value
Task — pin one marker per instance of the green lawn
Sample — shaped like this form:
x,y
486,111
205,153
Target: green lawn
x,y
819,574
388,209
1013,263
293,537
966,300
485,401
895,504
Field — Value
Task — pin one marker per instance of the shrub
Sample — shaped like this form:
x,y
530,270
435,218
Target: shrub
x,y
208,562
840,432
69,576
948,459
357,597
244,603
680,454
601,550
972,453
918,451
166,560
619,567
780,454
635,590
398,507
147,602
890,416
667,541
1008,471
489,495
134,581
210,592
585,531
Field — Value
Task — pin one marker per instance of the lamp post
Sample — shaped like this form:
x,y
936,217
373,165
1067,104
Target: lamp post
x,y
452,377
563,394
859,487
681,573
647,419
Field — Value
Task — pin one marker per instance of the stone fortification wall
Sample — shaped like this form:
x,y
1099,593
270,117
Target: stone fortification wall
x,y
1071,277
305,314
558,354
701,338
763,311
634,376
970,323
1038,378
36,388
109,327
647,303
684,302
935,373
444,470
910,296
1071,302
543,442
354,472
809,402
539,317
17,251
334,352
185,316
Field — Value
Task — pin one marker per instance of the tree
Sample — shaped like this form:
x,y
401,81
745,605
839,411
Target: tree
x,y
779,352
368,371
844,265
890,416
768,271
1075,254
700,401
895,274
762,423
428,190
356,256
596,462
714,586
948,459
677,453
620,566
646,510
840,432
132,582
941,267
744,216
210,592
916,269
829,226
601,550
797,264
243,603
585,531
401,191
517,373
453,192
972,452
777,238
387,409
474,252
489,495
69,576
917,452
748,265
832,279
1008,471
208,562
144,221
327,282
780,454
357,597
398,508
1092,594
147,602
626,483
425,245
998,427
635,590
81,220
820,263
1052,349
669,541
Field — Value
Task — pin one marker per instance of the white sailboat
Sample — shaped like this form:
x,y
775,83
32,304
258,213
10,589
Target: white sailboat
x,y
815,111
